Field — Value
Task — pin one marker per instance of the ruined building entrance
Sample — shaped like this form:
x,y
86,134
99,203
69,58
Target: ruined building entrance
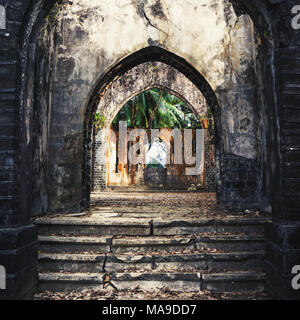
x,y
69,69
174,147
74,84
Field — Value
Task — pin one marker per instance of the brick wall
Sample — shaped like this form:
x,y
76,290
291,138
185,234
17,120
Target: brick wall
x,y
239,183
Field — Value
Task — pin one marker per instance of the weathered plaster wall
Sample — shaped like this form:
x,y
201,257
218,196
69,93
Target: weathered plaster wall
x,y
92,36
146,76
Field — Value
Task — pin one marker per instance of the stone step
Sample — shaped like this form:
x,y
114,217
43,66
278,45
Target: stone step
x,y
140,244
133,226
234,282
92,227
215,282
58,244
83,251
202,243
74,263
216,225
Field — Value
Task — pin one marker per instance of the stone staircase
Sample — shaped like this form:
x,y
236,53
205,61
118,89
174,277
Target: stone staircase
x,y
106,250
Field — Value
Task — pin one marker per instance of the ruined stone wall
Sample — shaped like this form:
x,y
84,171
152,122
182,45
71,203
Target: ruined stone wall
x,y
147,76
38,93
98,166
221,46
283,234
210,163
18,236
90,39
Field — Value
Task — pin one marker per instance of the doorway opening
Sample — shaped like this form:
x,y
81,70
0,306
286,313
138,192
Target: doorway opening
x,y
176,121
170,146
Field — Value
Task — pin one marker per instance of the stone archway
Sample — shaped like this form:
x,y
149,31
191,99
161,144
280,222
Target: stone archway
x,y
138,79
18,54
235,142
230,84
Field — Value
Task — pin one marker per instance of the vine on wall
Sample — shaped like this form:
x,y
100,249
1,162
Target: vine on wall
x,y
52,18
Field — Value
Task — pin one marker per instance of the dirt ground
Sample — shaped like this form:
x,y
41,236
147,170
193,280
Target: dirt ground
x,y
169,203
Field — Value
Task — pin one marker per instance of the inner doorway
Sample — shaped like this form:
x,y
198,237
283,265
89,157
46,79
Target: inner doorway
x,y
200,120
173,146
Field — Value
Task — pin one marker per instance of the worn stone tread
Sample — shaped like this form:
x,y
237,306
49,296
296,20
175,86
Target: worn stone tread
x,y
224,276
169,240
158,222
104,221
69,239
234,276
161,258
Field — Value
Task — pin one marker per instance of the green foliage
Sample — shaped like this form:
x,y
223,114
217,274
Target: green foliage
x,y
99,121
52,18
155,109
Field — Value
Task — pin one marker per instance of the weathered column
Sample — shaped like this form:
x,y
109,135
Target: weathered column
x,y
283,233
18,238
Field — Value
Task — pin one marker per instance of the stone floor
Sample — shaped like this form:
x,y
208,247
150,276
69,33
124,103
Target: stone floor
x,y
163,203
134,203
140,209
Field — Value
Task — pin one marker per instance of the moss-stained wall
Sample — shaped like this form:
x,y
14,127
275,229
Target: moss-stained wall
x,y
91,37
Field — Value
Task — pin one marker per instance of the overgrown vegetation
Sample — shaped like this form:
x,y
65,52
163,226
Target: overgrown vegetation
x,y
52,18
155,109
99,121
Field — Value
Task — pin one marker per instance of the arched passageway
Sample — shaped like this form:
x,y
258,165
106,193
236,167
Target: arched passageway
x,y
169,139
225,67
131,84
54,70
148,68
